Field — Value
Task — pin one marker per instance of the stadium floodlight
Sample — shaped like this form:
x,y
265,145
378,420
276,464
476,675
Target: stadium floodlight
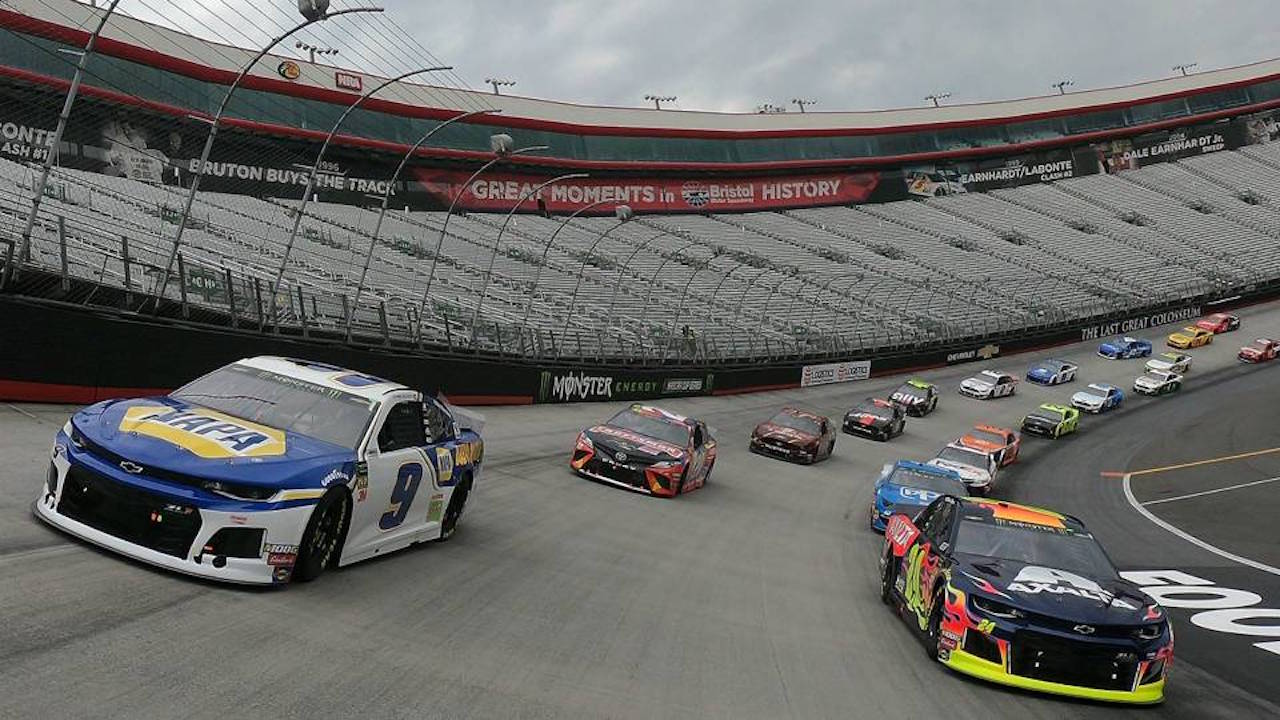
x,y
493,256
501,144
1063,84
386,197
937,98
499,82
315,169
1184,67
801,103
457,195
24,249
624,213
315,6
659,99
315,50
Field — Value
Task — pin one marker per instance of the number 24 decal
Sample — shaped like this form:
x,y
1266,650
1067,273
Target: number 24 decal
x,y
407,481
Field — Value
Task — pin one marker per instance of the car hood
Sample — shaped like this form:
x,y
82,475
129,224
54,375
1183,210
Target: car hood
x,y
1145,381
1052,592
969,472
1111,348
906,499
1041,372
1159,364
977,384
1250,350
165,434
781,434
637,446
1088,398
863,418
1037,419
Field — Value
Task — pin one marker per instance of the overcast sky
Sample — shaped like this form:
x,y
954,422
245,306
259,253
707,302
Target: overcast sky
x,y
734,55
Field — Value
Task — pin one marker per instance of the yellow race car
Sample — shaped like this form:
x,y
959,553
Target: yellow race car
x,y
1190,337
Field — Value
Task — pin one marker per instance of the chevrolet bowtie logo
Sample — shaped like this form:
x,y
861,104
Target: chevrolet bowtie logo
x,y
986,352
131,467
1085,629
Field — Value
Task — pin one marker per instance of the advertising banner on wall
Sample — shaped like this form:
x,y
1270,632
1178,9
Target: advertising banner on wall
x,y
1139,322
981,175
832,373
501,191
1132,153
566,386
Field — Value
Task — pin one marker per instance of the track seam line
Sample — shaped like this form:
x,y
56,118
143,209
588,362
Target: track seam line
x,y
1197,463
1128,493
1188,496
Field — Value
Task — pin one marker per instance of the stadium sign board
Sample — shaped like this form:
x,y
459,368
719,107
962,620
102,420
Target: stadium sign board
x,y
566,386
832,373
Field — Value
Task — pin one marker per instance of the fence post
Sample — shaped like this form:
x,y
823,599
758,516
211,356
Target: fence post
x,y
448,331
346,314
62,252
128,277
231,296
302,311
257,302
382,320
8,265
182,286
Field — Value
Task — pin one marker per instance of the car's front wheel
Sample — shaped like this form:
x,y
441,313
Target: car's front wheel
x,y
887,576
933,647
320,540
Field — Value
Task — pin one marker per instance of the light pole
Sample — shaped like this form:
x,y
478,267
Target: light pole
x,y
659,99
501,145
1062,85
936,98
493,256
313,12
546,249
386,198
644,312
617,283
685,294
315,50
301,210
624,214
25,250
499,82
1184,67
801,103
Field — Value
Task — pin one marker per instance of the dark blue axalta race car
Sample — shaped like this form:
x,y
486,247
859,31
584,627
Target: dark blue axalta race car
x,y
1025,597
907,487
1125,348
1052,372
264,471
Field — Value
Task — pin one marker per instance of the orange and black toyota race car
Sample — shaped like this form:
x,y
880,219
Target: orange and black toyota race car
x,y
1024,597
795,435
647,449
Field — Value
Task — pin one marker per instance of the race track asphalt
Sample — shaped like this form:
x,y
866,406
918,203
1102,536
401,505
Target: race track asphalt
x,y
755,597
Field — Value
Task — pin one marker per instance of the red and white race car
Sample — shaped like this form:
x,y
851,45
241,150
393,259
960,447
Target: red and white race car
x,y
1260,350
647,449
1219,323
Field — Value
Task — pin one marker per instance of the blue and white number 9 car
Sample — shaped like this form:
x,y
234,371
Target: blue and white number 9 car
x,y
264,471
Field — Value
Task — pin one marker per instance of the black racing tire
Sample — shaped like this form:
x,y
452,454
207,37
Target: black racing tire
x,y
933,404
322,540
887,577
933,632
453,513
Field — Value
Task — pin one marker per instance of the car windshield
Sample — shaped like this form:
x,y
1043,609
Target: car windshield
x,y
987,436
1259,345
1053,547
927,481
282,402
1098,390
966,457
1154,377
910,390
671,431
1043,414
796,422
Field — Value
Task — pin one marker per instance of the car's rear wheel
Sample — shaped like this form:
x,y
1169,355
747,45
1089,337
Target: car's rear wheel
x,y
453,513
320,540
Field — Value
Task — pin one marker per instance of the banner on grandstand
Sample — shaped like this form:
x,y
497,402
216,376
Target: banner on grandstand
x,y
1132,153
565,386
940,179
1141,321
501,191
832,373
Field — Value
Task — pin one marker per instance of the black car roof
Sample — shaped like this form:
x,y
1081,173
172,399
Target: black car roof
x,y
1006,514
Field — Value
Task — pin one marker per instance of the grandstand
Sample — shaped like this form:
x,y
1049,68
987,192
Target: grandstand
x,y
900,267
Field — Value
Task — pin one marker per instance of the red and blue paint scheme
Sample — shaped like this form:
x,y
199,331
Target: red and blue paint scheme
x,y
647,449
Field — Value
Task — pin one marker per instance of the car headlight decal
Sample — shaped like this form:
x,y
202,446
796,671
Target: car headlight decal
x,y
996,608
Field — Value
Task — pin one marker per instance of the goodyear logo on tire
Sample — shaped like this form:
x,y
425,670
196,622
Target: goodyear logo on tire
x,y
206,433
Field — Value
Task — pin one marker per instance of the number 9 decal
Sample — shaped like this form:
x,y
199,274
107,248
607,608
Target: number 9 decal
x,y
407,482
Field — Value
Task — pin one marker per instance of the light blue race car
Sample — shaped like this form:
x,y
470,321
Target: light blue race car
x,y
1125,348
1098,398
907,487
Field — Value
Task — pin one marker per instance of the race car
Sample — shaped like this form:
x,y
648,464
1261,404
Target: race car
x,y
1157,382
975,467
917,397
264,471
1219,323
795,435
1125,348
647,449
1170,361
1189,337
1260,350
908,487
989,384
1051,372
1051,420
1098,398
1002,443
875,418
1025,597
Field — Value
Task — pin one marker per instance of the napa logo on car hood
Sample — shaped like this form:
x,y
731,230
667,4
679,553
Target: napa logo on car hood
x,y
205,433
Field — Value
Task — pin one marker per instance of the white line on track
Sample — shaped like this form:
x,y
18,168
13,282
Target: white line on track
x,y
1128,493
1211,492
